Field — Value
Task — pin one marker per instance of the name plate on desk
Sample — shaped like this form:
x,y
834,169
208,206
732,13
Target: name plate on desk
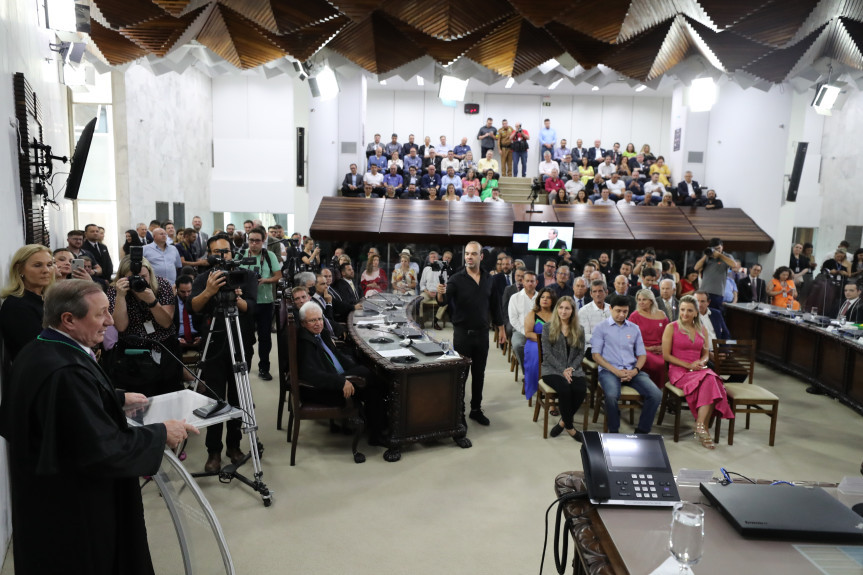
x,y
627,470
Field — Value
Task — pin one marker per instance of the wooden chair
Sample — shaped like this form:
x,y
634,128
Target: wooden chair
x,y
301,410
546,399
737,357
591,373
423,305
629,400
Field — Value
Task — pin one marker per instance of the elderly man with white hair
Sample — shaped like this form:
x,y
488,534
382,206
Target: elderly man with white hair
x,y
547,165
666,300
327,372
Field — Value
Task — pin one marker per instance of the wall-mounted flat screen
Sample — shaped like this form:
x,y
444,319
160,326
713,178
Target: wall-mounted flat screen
x,y
541,237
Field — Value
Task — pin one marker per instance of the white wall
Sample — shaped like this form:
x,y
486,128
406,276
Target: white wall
x,y
609,118
254,144
168,135
22,46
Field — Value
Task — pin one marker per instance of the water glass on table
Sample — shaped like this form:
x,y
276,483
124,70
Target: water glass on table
x,y
686,539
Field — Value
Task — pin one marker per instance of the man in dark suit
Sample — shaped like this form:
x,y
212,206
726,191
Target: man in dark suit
x,y
352,185
552,242
596,154
323,368
648,281
100,254
578,151
623,289
688,192
347,290
579,292
752,288
187,333
851,308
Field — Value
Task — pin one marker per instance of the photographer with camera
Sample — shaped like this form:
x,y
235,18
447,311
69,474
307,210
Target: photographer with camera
x,y
713,266
142,305
311,255
224,284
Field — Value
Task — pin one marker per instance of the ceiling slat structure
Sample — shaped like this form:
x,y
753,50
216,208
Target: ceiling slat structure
x,y
640,40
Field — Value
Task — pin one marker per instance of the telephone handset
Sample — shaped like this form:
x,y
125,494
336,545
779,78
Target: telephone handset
x,y
627,470
595,467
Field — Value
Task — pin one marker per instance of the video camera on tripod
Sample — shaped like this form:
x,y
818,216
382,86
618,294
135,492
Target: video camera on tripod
x,y
235,276
136,258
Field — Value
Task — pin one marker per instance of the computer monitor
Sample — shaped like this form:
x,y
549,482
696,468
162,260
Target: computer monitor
x,y
541,237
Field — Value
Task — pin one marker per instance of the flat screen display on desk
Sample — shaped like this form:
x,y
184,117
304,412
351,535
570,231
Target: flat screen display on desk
x,y
541,237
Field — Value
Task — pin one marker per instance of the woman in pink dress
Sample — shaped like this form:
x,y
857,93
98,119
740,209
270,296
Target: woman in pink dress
x,y
684,346
652,322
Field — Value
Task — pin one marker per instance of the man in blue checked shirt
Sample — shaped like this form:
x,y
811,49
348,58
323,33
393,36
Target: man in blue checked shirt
x,y
619,351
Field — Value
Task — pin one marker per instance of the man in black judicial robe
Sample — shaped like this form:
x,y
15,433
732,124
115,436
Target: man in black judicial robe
x,y
74,461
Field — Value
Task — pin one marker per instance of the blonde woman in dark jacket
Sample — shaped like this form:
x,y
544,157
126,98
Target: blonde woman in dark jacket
x,y
562,352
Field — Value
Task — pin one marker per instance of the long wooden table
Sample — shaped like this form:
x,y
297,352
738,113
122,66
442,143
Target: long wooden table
x,y
419,221
829,361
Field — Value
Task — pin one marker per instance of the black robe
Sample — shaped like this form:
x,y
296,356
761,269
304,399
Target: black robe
x,y
74,464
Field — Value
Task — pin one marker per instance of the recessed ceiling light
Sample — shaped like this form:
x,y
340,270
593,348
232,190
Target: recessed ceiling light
x,y
595,88
555,84
383,82
548,66
509,83
641,88
420,81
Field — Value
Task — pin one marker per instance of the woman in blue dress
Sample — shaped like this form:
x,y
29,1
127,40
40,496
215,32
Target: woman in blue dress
x,y
533,322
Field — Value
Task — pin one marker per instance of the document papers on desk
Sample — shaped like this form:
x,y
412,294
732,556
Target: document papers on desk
x,y
401,352
834,560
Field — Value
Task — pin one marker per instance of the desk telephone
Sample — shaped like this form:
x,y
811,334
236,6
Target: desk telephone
x,y
624,469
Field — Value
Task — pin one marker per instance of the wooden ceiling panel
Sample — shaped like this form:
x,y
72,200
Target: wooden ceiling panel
x,y
258,11
587,51
535,46
376,45
291,16
172,7
776,23
358,10
636,57
444,51
732,50
158,36
121,13
541,13
116,48
497,50
237,40
303,43
775,66
724,13
448,19
600,19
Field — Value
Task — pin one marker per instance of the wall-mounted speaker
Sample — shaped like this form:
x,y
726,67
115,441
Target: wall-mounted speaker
x,y
796,171
301,157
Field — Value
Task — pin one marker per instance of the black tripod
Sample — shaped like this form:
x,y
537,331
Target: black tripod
x,y
226,308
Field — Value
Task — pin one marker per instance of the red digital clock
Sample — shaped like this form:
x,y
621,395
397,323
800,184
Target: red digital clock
x,y
471,108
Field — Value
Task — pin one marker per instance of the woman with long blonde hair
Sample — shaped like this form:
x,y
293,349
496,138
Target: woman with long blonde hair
x,y
562,353
31,272
684,347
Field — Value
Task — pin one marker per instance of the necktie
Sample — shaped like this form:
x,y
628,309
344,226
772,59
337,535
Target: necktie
x,y
187,325
754,290
333,359
92,354
508,281
845,306
322,302
353,288
580,303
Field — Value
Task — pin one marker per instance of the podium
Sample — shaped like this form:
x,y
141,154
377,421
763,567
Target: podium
x,y
199,533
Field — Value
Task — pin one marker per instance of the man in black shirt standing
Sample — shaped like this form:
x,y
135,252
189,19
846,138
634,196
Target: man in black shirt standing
x,y
470,295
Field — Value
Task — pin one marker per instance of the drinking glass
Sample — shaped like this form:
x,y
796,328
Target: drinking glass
x,y
814,312
686,540
445,346
842,321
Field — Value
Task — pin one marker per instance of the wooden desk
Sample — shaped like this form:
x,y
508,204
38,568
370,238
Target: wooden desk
x,y
426,399
624,540
826,360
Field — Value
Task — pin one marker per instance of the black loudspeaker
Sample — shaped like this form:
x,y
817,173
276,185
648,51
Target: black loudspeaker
x,y
301,157
796,171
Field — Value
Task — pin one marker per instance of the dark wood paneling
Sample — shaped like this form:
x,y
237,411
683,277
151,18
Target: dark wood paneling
x,y
855,381
737,230
424,222
348,219
832,365
802,350
596,226
665,228
489,224
545,213
771,338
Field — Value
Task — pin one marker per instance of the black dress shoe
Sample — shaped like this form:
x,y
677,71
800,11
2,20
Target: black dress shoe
x,y
478,416
556,430
814,390
236,455
214,463
436,325
265,375
578,437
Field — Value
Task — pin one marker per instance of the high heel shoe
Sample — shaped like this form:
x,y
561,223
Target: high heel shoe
x,y
556,430
702,435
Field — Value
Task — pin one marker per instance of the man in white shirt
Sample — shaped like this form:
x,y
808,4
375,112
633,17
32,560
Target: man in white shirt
x,y
164,258
653,190
443,148
606,168
616,186
604,199
428,288
471,195
704,315
546,166
449,161
494,197
627,199
376,179
519,306
595,312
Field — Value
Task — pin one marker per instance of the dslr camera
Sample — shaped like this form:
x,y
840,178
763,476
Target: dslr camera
x,y
235,277
136,282
444,269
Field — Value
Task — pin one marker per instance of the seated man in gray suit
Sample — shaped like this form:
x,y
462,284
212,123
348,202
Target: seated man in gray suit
x,y
666,300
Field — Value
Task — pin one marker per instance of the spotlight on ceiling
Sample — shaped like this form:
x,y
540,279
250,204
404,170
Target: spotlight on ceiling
x,y
451,88
510,83
420,81
641,88
595,89
383,82
702,95
328,85
555,84
825,100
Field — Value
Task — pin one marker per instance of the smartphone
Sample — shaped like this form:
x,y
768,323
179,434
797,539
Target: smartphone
x,y
77,264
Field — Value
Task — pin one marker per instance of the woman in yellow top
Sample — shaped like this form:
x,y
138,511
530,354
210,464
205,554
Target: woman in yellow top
x,y
585,170
663,170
